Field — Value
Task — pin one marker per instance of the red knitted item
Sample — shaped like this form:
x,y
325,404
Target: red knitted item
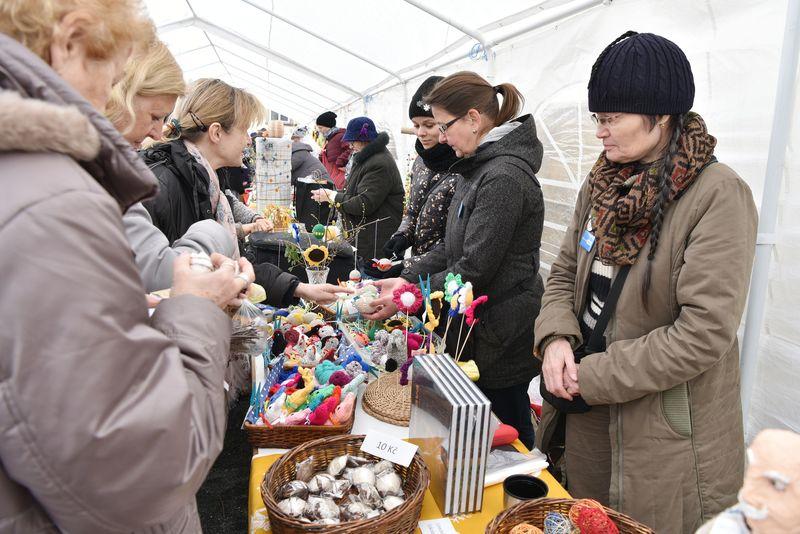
x,y
595,521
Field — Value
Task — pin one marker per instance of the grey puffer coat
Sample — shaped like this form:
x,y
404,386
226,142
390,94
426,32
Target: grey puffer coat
x,y
493,235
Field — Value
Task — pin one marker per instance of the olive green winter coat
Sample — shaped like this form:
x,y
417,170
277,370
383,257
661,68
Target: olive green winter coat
x,y
670,374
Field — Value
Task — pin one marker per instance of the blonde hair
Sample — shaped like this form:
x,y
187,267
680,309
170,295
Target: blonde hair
x,y
109,25
154,72
210,100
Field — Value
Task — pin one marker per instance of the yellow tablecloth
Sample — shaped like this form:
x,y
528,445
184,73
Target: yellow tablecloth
x,y
472,523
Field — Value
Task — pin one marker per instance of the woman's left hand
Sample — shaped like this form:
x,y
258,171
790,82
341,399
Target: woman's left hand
x,y
384,305
323,195
572,386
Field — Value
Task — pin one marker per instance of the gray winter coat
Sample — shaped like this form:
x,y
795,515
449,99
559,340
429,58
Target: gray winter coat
x,y
494,229
110,421
154,256
304,162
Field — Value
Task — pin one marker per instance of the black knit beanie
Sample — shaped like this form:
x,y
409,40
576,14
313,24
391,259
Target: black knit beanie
x,y
418,108
641,73
327,119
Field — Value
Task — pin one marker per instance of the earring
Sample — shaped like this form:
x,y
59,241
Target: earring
x,y
474,131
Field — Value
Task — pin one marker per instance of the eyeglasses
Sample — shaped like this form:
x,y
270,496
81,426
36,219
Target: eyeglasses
x,y
608,121
443,127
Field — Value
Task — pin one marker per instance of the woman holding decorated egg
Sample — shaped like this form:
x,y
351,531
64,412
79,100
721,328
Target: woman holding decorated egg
x,y
492,237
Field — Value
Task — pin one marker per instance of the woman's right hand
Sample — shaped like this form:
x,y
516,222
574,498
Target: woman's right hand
x,y
558,368
221,286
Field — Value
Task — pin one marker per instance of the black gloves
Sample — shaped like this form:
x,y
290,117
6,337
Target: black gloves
x,y
369,269
396,247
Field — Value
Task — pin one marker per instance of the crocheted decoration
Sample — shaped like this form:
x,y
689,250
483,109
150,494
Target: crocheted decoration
x,y
580,505
452,283
595,521
470,313
555,523
407,298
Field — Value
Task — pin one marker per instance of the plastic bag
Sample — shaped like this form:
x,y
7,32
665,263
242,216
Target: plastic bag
x,y
251,333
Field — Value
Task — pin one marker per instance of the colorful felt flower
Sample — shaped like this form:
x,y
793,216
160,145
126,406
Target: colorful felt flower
x,y
452,283
470,313
315,255
407,298
464,297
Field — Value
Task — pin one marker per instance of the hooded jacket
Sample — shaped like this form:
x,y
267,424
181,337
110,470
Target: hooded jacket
x,y
374,191
110,421
304,163
152,252
183,195
493,234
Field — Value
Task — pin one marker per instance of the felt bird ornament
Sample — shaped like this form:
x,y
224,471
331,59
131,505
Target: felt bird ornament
x,y
299,397
345,409
318,397
297,418
321,414
352,386
275,409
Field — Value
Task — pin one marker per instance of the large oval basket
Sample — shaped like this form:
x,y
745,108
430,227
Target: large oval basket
x,y
402,519
535,511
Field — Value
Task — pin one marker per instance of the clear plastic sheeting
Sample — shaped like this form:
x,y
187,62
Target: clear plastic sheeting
x,y
546,48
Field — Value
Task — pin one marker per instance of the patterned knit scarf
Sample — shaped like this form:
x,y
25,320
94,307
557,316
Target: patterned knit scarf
x,y
623,195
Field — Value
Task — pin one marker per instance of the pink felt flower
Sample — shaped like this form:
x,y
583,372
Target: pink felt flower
x,y
407,298
471,319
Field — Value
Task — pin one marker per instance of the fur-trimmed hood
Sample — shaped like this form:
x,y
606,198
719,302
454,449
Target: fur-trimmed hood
x,y
374,147
40,112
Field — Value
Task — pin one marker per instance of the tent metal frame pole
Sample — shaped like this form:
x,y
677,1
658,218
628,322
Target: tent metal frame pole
x,y
272,13
212,28
562,13
475,34
275,74
778,143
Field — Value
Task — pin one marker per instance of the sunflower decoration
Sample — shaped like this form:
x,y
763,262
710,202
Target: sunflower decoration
x,y
315,255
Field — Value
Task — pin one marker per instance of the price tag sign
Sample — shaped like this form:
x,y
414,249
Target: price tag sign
x,y
389,448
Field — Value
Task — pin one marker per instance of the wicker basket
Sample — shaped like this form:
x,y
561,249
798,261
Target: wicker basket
x,y
402,519
286,437
535,511
385,399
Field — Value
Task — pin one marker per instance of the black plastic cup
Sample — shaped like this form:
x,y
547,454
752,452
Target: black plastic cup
x,y
518,488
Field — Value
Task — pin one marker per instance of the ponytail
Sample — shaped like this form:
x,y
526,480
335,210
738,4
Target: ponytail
x,y
512,103
465,90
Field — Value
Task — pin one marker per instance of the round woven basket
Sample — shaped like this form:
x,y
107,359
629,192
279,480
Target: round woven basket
x,y
535,511
402,519
387,400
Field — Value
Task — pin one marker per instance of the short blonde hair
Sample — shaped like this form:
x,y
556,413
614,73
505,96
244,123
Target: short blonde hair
x,y
154,72
110,25
210,100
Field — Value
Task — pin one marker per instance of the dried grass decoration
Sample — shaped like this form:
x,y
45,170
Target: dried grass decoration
x,y
315,255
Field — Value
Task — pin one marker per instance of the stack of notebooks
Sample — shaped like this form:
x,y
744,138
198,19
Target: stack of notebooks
x,y
451,422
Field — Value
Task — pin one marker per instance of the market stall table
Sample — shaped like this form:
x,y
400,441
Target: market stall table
x,y
493,498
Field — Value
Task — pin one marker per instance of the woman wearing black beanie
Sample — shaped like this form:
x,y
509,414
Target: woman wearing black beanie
x,y
432,188
653,414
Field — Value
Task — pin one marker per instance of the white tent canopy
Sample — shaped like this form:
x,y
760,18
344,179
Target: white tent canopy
x,y
303,57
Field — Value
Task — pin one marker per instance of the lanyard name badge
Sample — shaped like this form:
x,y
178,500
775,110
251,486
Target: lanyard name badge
x,y
588,239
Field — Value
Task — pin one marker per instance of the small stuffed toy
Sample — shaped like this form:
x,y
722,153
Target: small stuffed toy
x,y
345,409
